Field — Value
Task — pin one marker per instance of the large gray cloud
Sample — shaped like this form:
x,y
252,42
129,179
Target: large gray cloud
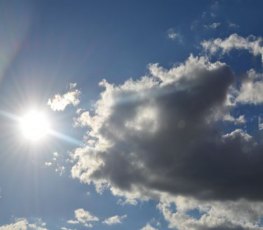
x,y
162,133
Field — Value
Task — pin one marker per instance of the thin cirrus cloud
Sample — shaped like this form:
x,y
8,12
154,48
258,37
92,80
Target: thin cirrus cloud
x,y
174,35
213,25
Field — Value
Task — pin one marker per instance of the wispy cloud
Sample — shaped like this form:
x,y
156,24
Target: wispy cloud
x,y
174,35
251,43
148,227
23,224
114,220
213,25
233,25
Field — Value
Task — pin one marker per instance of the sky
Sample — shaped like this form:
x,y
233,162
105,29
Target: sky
x,y
131,115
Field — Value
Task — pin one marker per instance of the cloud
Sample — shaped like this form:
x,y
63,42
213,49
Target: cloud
x,y
236,120
174,35
260,123
161,134
114,220
162,131
233,25
57,163
84,218
211,215
251,91
60,102
148,227
213,25
251,43
23,224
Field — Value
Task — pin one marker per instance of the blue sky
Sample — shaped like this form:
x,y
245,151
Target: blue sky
x,y
131,115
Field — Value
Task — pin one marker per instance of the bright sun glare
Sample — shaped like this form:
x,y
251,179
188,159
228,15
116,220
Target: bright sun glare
x,y
34,125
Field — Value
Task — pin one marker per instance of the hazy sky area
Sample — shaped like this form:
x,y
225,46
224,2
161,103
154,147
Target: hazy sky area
x,y
131,114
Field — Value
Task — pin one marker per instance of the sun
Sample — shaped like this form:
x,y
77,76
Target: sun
x,y
34,125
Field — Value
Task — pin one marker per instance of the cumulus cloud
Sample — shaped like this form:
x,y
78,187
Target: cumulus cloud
x,y
251,43
251,91
60,102
84,218
161,134
211,215
114,220
24,224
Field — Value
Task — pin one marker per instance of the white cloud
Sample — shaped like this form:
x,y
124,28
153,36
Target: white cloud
x,y
83,217
251,43
23,224
251,91
172,34
236,120
60,102
84,119
72,222
225,215
148,227
114,220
